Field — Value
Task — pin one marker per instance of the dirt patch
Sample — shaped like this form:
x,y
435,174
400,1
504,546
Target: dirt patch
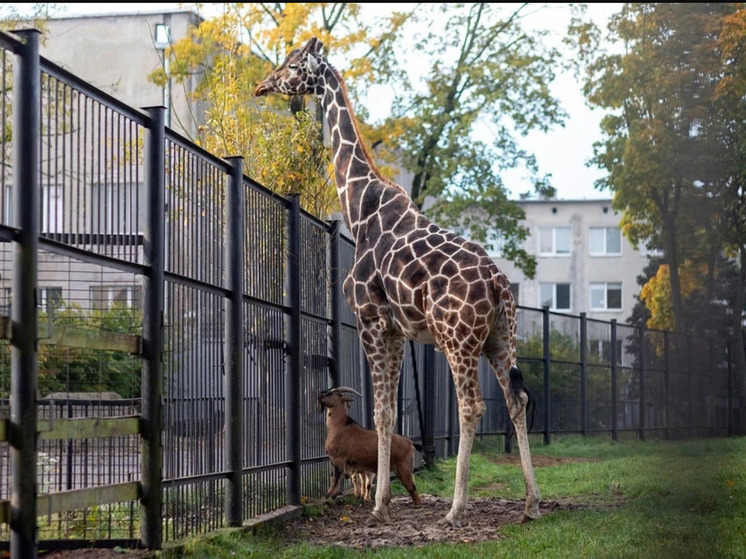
x,y
538,461
343,522
99,553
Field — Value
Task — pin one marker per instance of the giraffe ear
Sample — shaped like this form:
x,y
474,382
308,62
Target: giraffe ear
x,y
315,45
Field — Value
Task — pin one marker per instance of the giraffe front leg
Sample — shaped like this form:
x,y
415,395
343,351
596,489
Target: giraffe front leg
x,y
385,354
384,427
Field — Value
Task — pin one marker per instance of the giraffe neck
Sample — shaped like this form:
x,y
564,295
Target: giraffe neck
x,y
354,168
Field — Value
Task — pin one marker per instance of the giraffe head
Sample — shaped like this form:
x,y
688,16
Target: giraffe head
x,y
298,75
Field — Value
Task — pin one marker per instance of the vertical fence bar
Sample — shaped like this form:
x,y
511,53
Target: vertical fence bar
x,y
612,356
690,355
234,204
428,430
546,358
641,357
667,382
712,418
730,387
23,354
583,373
153,303
367,391
336,300
295,360
452,407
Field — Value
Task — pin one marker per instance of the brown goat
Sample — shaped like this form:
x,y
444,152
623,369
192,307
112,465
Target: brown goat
x,y
362,483
353,449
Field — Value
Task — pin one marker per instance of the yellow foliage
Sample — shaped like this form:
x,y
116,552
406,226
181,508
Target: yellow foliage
x,y
656,293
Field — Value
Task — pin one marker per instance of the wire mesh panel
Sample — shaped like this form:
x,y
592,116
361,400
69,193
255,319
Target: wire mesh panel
x,y
6,120
265,225
193,438
495,416
654,366
194,507
92,188
194,410
679,385
68,464
264,387
628,377
195,211
598,376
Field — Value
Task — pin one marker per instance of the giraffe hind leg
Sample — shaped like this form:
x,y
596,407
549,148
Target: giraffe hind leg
x,y
519,400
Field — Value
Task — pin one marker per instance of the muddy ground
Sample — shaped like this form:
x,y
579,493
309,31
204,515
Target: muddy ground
x,y
342,523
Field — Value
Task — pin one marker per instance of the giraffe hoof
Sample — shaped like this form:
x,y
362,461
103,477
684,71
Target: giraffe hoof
x,y
377,517
526,518
450,520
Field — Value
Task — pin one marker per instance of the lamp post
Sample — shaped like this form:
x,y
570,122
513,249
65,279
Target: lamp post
x,y
162,42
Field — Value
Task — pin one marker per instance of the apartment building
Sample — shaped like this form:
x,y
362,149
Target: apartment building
x,y
584,262
116,52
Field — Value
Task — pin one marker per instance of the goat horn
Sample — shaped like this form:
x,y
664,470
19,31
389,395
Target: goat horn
x,y
347,389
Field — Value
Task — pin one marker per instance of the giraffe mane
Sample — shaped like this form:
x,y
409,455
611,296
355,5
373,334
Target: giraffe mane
x,y
353,118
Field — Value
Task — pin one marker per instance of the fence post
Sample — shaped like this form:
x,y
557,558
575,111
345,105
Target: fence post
x,y
583,374
295,361
23,353
234,339
546,357
428,389
612,357
728,351
336,301
451,425
667,381
153,303
641,357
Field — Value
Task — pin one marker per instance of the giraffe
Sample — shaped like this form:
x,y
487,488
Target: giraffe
x,y
412,279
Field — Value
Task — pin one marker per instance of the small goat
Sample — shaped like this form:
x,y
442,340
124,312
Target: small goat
x,y
353,449
362,483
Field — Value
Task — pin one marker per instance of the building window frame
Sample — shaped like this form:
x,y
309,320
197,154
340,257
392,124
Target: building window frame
x,y
606,241
555,241
554,293
600,294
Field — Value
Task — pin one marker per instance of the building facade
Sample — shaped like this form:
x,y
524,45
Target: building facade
x,y
117,52
584,262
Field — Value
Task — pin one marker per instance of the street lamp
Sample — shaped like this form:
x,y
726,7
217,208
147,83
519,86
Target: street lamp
x,y
162,42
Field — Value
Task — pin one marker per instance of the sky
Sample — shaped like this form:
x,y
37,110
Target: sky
x,y
562,152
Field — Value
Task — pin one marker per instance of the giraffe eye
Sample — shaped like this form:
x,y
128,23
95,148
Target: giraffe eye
x,y
293,66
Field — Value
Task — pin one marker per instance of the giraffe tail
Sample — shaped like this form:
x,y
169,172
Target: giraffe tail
x,y
517,388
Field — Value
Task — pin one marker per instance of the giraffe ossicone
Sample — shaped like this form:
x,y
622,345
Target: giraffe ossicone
x,y
413,279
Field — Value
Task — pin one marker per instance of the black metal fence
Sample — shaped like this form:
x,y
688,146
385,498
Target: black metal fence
x,y
169,324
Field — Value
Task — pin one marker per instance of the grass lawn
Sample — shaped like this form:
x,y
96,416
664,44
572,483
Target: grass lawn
x,y
652,500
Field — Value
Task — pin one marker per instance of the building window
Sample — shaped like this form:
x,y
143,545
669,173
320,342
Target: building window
x,y
51,209
117,208
606,296
5,294
556,296
554,241
605,241
104,296
50,298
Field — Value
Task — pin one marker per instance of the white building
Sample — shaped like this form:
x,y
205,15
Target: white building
x,y
117,52
584,263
